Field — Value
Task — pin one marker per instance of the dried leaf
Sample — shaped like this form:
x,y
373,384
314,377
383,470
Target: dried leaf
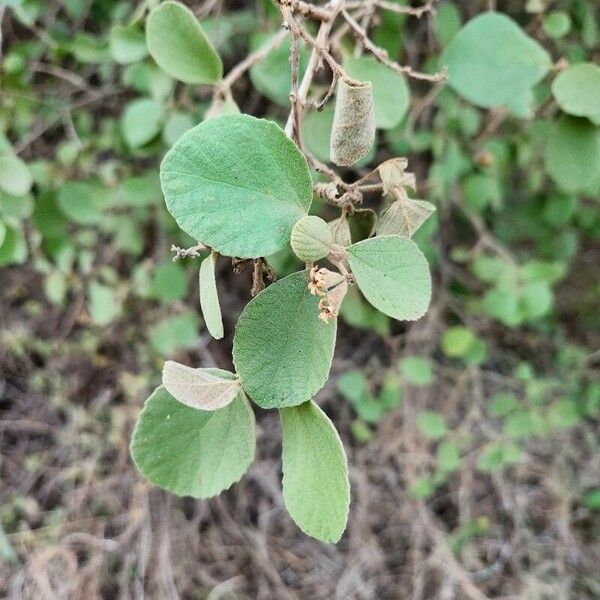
x,y
404,217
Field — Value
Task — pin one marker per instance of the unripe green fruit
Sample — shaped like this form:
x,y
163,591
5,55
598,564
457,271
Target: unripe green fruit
x,y
311,238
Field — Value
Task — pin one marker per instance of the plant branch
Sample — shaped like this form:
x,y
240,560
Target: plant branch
x,y
305,9
314,62
428,7
381,55
254,57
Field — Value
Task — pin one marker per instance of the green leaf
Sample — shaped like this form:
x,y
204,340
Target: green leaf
x,y
84,203
209,297
14,248
358,313
497,455
316,131
573,154
103,304
316,489
557,24
237,184
179,46
431,425
448,456
15,177
390,91
140,190
281,350
564,413
447,22
502,404
193,452
577,90
177,124
354,387
272,75
492,62
592,499
127,44
457,341
169,282
142,121
204,389
311,238
417,370
393,275
175,333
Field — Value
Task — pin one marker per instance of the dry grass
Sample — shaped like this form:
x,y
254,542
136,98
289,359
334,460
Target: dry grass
x,y
84,524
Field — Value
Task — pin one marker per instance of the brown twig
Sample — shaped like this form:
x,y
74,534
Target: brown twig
x,y
315,59
381,55
254,57
305,9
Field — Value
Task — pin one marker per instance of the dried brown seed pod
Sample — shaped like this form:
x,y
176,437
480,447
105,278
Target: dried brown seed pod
x,y
353,131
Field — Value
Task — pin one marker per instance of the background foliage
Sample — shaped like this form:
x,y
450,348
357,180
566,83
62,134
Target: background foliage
x,y
472,435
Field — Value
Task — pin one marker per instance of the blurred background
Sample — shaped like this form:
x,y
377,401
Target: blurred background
x,y
472,434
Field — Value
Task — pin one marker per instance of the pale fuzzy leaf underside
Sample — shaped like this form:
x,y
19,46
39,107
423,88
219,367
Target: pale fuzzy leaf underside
x,y
204,389
209,297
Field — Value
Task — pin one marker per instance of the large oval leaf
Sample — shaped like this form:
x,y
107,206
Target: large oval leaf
x,y
492,62
393,275
316,489
192,452
573,154
238,184
281,350
577,91
390,92
177,43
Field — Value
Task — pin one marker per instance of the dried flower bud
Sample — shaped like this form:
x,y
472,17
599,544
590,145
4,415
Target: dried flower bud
x,y
321,280
395,177
329,305
353,131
